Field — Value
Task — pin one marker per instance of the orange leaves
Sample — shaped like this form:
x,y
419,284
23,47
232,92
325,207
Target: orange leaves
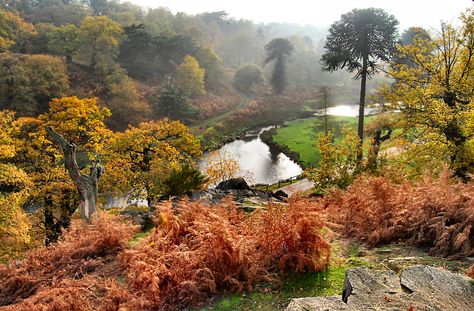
x,y
204,248
470,271
195,252
69,273
438,214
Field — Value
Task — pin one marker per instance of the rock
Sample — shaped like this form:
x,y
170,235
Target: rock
x,y
234,184
441,288
417,287
142,218
280,195
317,304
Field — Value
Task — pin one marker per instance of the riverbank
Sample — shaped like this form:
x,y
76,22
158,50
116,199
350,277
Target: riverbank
x,y
299,138
253,113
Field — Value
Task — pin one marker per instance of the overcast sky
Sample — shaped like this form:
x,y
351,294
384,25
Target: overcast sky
x,y
425,13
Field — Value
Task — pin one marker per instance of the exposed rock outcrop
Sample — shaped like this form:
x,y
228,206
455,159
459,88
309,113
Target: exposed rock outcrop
x,y
416,288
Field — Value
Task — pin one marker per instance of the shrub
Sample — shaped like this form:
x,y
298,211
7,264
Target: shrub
x,y
338,164
437,214
470,272
58,277
205,249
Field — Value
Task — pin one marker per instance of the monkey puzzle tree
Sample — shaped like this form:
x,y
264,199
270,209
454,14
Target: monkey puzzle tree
x,y
358,42
279,50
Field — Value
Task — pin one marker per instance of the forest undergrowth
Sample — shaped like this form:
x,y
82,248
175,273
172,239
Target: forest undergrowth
x,y
197,251
194,252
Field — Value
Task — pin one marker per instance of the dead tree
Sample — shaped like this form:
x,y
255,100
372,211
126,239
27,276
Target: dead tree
x,y
86,184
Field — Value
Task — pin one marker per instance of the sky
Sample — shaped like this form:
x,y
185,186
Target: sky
x,y
424,13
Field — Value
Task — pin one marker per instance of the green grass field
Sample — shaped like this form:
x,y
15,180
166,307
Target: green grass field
x,y
301,135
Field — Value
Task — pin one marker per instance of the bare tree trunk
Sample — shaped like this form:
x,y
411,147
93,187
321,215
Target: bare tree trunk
x,y
360,126
86,184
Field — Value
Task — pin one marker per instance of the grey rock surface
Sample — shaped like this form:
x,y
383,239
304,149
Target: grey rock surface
x,y
417,287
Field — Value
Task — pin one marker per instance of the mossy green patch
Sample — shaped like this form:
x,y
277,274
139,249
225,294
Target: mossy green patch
x,y
277,297
302,135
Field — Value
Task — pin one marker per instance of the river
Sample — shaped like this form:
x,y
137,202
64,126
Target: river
x,y
261,165
257,162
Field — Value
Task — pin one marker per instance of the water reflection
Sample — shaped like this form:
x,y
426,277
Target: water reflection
x,y
258,164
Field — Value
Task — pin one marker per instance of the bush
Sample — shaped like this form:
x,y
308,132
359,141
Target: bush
x,y
181,180
337,168
247,77
433,214
59,277
208,249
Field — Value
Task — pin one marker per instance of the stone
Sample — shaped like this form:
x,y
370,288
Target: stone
x,y
416,288
233,184
333,303
280,194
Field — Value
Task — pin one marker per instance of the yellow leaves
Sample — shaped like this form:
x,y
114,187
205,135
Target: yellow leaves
x,y
100,30
147,153
80,121
14,224
13,29
221,167
338,160
190,77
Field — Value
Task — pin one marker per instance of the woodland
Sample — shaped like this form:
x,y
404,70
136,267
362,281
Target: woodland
x,y
105,98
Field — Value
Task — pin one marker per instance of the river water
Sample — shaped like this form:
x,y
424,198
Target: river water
x,y
258,163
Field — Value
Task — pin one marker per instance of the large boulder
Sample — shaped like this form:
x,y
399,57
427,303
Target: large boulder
x,y
233,184
416,288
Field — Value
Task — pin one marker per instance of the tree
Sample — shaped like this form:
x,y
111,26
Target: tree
x,y
63,40
86,184
180,180
279,50
434,91
14,31
81,122
15,185
148,153
247,78
29,82
57,12
408,36
99,6
337,167
173,103
221,167
213,67
190,77
358,42
124,101
99,37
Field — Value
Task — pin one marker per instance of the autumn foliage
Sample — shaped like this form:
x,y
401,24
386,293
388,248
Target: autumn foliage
x,y
71,274
208,249
195,252
436,214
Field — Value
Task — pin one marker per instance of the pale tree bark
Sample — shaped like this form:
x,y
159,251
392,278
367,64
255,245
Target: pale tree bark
x,y
86,184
